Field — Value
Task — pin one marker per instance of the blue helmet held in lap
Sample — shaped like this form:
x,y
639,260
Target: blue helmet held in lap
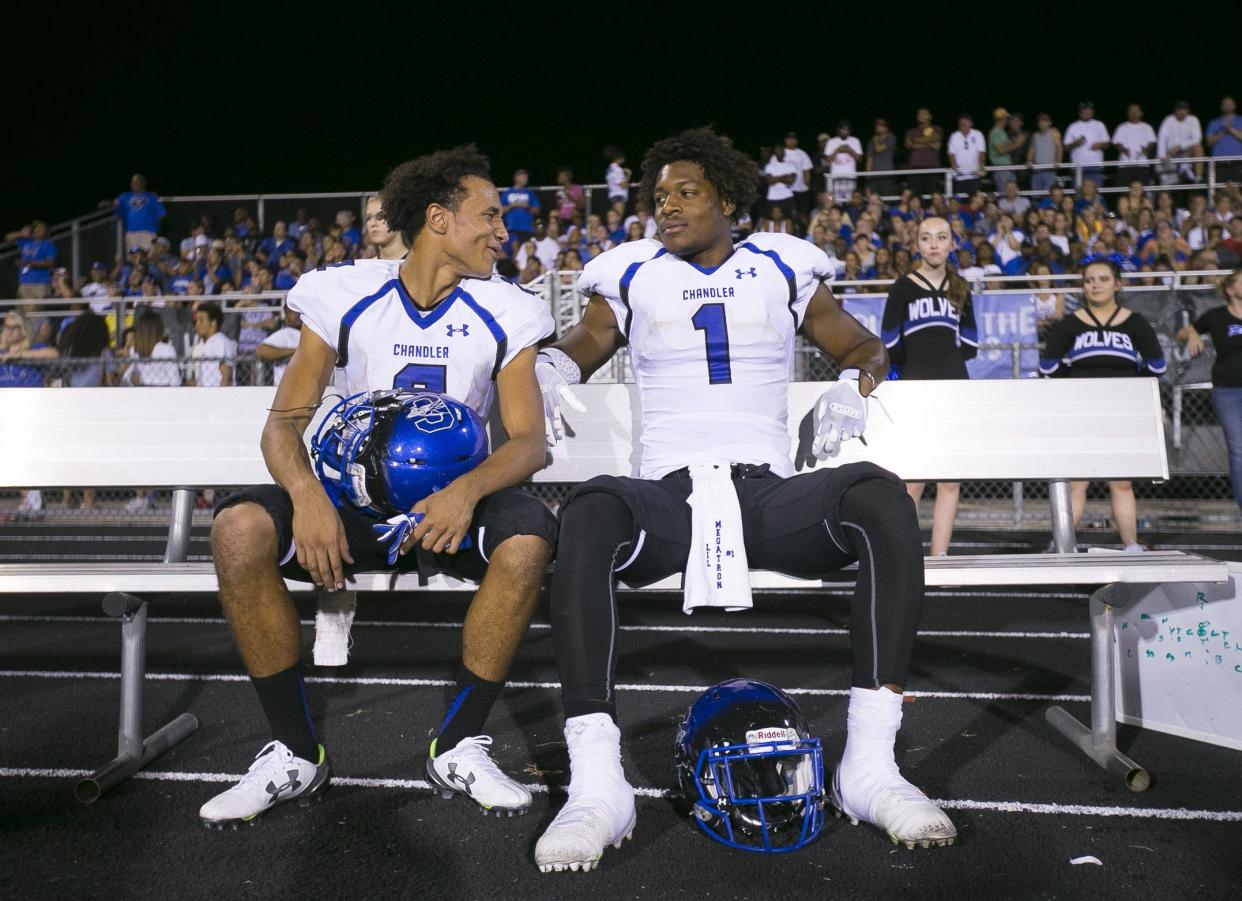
x,y
384,451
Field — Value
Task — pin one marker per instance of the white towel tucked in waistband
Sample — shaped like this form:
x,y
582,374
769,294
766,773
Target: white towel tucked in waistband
x,y
717,574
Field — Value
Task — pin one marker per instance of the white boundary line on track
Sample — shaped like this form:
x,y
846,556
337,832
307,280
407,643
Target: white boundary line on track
x,y
444,683
1150,813
757,630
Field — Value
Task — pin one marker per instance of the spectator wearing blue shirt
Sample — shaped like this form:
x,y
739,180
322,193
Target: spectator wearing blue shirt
x,y
277,245
1224,137
520,206
38,258
140,212
350,234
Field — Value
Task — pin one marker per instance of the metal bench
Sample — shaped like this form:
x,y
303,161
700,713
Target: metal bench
x,y
182,439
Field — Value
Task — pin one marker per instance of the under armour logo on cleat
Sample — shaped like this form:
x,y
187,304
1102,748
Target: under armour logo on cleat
x,y
292,785
466,781
751,272
464,329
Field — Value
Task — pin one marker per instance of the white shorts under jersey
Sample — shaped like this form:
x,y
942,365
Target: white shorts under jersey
x,y
383,341
712,349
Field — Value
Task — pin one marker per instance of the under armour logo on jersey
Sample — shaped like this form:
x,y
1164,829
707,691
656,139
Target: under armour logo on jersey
x,y
464,329
466,781
751,272
292,785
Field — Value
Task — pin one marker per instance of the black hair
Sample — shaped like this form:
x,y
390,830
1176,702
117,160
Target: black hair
x,y
86,336
612,152
733,174
213,313
435,178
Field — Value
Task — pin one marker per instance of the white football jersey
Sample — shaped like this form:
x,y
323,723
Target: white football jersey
x,y
712,349
382,340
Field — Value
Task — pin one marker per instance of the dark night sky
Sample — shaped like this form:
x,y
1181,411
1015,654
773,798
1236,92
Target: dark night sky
x,y
205,99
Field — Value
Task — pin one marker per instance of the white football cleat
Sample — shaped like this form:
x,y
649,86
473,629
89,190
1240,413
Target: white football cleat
x,y
885,799
868,787
600,810
468,769
275,776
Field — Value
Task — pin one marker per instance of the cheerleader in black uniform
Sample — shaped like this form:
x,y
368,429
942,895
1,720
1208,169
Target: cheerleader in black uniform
x,y
1104,340
929,330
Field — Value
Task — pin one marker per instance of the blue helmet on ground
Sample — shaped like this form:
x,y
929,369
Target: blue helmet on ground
x,y
384,451
752,773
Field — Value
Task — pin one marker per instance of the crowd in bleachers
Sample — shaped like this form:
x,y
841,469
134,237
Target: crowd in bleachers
x,y
1030,221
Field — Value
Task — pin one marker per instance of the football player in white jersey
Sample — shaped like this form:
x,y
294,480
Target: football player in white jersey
x,y
710,327
438,320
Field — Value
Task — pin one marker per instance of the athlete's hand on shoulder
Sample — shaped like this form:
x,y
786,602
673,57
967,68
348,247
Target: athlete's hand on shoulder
x,y
554,388
320,540
840,414
445,520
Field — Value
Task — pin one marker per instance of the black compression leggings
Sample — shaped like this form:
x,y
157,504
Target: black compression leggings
x,y
879,528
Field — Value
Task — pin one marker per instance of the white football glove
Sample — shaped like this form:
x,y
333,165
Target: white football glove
x,y
554,371
840,414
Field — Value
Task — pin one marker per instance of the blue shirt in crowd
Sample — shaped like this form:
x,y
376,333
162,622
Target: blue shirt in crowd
x,y
520,219
1228,145
275,250
33,251
141,211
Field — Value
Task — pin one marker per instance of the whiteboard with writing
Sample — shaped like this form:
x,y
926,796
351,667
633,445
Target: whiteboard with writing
x,y
1179,661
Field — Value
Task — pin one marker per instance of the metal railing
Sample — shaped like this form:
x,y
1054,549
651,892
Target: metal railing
x,y
1069,175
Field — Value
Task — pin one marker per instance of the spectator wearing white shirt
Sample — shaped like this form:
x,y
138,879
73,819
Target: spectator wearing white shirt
x,y
1007,242
152,363
98,290
617,178
780,174
547,247
803,168
1180,136
1135,141
152,360
213,355
841,156
967,150
1013,202
279,346
1086,140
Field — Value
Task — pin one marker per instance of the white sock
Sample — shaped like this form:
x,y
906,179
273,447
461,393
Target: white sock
x,y
594,743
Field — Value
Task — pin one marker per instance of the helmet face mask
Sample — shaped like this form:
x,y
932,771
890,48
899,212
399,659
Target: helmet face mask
x,y
750,770
384,451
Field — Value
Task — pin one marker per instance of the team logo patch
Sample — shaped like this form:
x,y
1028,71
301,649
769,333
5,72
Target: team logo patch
x,y
431,414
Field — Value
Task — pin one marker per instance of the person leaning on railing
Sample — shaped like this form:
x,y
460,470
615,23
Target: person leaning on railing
x,y
1224,325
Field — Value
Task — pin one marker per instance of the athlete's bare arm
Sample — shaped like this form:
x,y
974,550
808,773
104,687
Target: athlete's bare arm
x,y
842,337
447,513
592,342
317,531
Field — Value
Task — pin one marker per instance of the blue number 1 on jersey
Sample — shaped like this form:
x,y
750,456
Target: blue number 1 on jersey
x,y
710,319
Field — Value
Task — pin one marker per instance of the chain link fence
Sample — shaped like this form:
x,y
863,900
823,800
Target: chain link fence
x,y
1197,494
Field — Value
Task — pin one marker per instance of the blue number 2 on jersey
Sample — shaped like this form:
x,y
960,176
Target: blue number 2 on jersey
x,y
710,319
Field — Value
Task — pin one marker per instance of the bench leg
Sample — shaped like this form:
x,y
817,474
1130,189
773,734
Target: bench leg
x,y
133,752
1100,741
